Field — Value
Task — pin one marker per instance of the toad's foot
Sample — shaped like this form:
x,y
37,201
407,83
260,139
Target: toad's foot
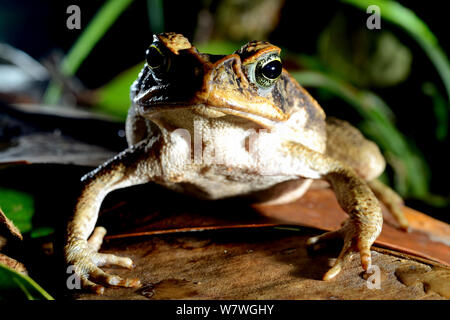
x,y
86,259
354,241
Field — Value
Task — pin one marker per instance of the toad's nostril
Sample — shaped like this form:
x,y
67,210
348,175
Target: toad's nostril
x,y
197,72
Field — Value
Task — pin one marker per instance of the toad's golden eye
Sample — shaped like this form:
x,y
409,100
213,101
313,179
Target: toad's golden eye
x,y
155,58
268,70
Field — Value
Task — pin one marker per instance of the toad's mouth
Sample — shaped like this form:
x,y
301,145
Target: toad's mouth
x,y
204,110
156,109
211,104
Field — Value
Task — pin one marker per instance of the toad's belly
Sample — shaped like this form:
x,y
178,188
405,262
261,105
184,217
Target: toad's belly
x,y
260,189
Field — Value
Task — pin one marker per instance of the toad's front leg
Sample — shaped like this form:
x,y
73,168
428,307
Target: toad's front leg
x,y
136,165
356,199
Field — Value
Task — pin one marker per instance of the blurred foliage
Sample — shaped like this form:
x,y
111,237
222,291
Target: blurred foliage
x,y
253,19
18,207
439,108
364,57
155,15
378,127
98,26
14,285
397,14
114,97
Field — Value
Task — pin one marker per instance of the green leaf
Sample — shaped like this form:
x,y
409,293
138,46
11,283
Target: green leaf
x,y
14,285
218,47
41,232
440,110
155,15
406,19
114,97
18,207
95,30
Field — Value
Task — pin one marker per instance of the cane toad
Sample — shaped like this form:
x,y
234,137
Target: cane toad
x,y
220,126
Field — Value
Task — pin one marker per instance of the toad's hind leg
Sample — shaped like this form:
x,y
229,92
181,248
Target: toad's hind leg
x,y
346,144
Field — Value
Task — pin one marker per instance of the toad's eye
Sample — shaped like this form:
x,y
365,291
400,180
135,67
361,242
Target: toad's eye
x,y
155,58
268,70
